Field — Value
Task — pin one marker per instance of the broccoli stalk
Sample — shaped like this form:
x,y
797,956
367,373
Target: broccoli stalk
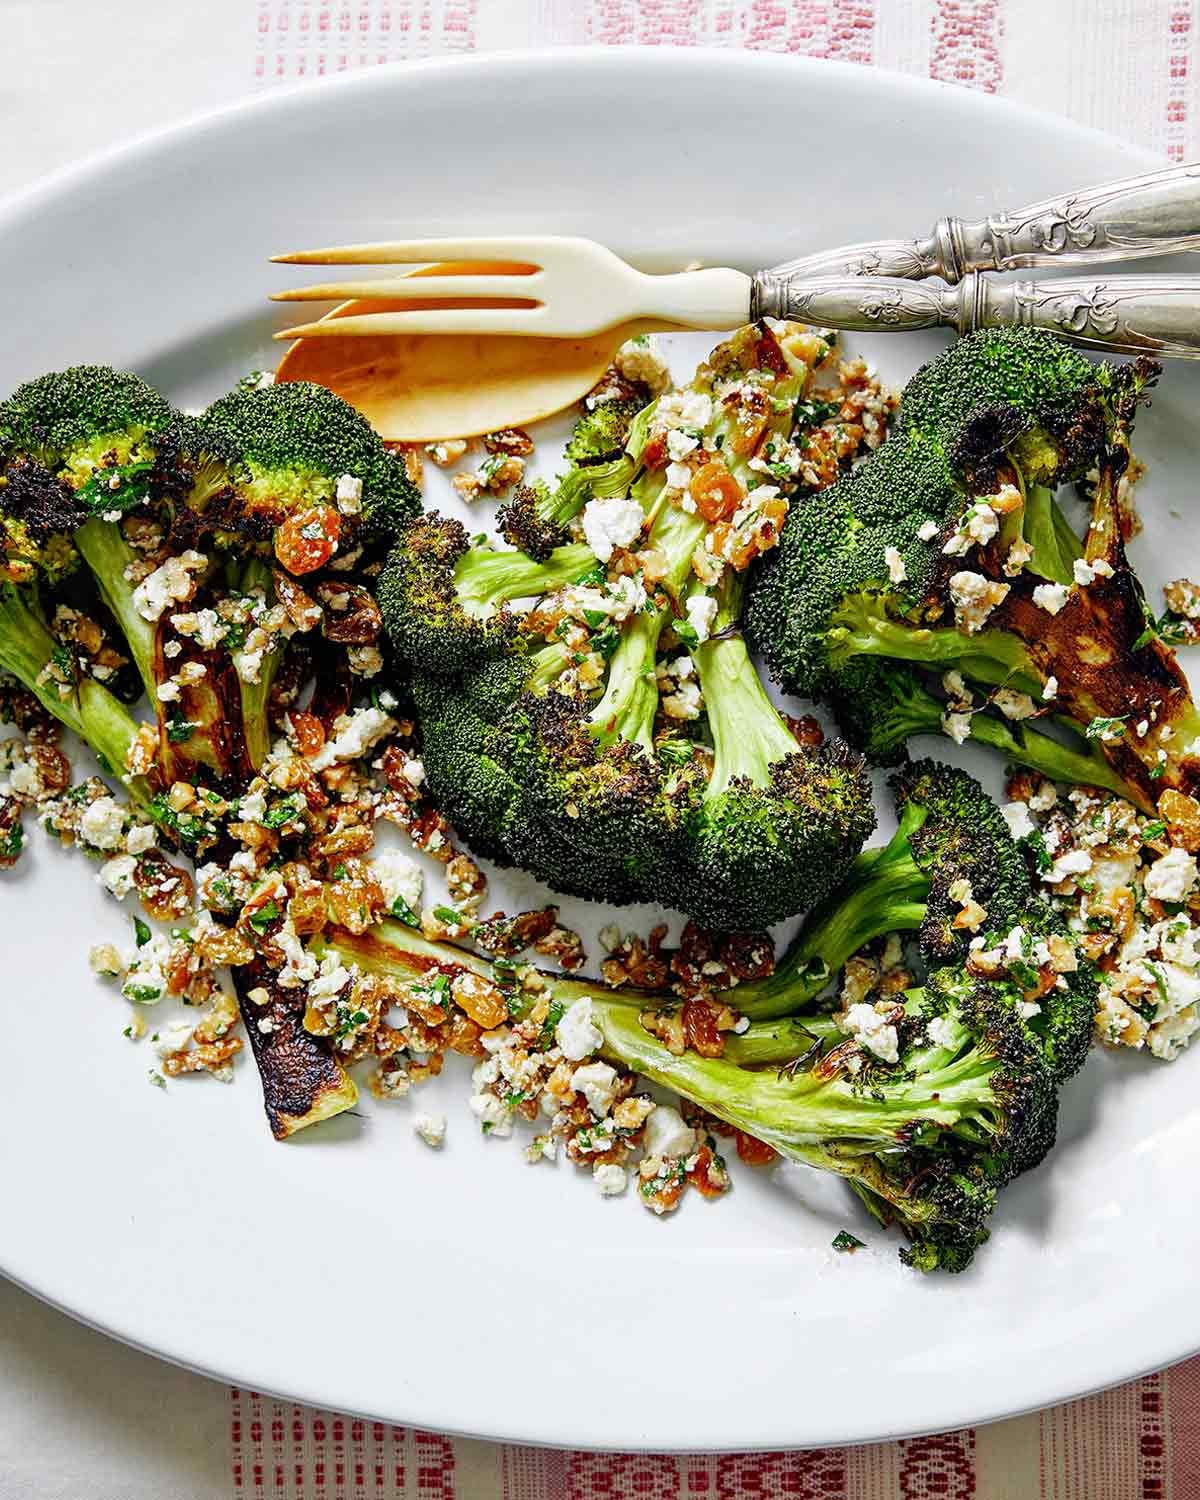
x,y
630,699
108,555
484,581
881,706
30,653
256,696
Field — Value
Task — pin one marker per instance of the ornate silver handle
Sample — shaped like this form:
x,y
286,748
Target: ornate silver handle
x,y
1120,314
1156,213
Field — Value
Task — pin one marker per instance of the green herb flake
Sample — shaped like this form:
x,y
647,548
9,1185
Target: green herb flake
x,y
847,1243
262,918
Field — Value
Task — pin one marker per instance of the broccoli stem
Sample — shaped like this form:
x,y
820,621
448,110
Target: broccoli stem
x,y
630,699
992,656
796,1113
949,1089
484,579
1028,747
27,647
885,892
255,696
108,555
780,1041
749,736
579,485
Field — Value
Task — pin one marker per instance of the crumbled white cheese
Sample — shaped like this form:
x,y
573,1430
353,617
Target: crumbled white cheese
x,y
684,703
103,824
927,530
597,1082
1074,862
974,598
399,877
942,1032
1082,572
680,444
897,572
872,1030
331,979
348,495
172,583
610,1178
1014,705
1168,1038
252,808
957,726
1051,596
140,837
173,1037
667,1134
116,874
701,613
1050,690
431,1129
1016,815
300,965
577,1034
354,735
609,524
1172,876
495,1118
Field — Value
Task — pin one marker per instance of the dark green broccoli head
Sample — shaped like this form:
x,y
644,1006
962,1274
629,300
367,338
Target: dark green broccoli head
x,y
602,431
471,749
528,522
605,805
957,833
95,428
39,515
758,854
880,705
299,443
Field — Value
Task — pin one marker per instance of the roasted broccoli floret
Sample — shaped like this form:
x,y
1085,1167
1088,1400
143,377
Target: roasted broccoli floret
x,y
535,519
772,814
583,779
314,477
445,602
953,1102
967,1104
947,549
950,831
882,705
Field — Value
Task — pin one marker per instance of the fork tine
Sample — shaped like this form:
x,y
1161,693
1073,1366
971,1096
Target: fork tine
x,y
413,288
513,247
527,320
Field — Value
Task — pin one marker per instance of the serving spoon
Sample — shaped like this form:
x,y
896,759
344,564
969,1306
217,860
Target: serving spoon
x,y
420,387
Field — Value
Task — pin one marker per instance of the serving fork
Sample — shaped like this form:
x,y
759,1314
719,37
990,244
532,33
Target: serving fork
x,y
564,287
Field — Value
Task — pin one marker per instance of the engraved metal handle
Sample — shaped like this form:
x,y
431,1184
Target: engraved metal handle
x,y
1119,314
1155,213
